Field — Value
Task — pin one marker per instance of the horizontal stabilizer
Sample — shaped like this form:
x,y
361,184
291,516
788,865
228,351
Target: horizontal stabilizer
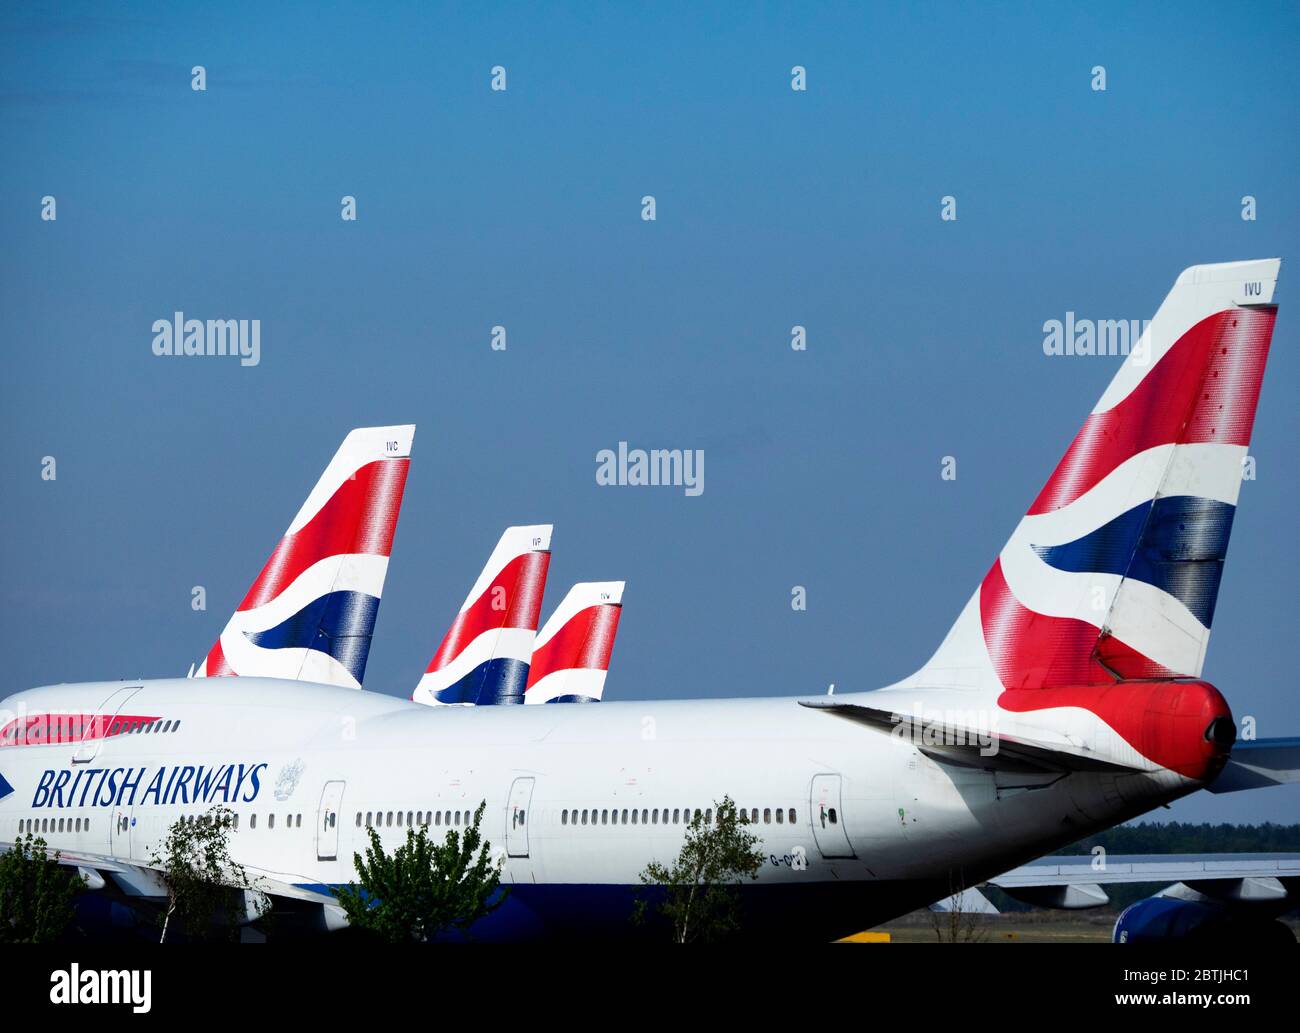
x,y
1258,763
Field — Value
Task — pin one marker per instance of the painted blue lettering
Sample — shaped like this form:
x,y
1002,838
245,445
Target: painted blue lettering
x,y
56,791
252,795
42,789
90,774
129,784
182,783
154,787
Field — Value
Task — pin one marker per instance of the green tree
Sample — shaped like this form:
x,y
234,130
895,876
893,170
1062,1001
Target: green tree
x,y
424,888
36,893
699,893
205,887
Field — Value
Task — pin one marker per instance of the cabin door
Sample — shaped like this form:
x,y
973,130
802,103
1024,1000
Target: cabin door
x,y
517,817
327,821
828,817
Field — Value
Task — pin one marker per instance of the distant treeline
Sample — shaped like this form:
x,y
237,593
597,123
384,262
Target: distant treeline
x,y
1177,837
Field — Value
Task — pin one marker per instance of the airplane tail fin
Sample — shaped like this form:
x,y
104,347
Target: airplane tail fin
x,y
310,614
1114,571
571,657
484,656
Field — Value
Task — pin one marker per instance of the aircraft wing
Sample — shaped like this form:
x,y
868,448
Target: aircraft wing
x,y
1072,882
139,880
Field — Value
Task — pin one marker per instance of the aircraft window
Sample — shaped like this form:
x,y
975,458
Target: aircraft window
x,y
270,821
792,818
779,815
624,815
252,821
60,828
87,825
564,817
419,817
408,818
708,816
399,819
584,816
676,815
634,816
236,819
604,817
437,818
767,815
358,819
832,816
654,816
389,822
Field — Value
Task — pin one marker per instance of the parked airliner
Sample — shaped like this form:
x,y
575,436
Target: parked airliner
x,y
1066,698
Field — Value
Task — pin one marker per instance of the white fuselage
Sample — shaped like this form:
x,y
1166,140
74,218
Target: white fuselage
x,y
578,798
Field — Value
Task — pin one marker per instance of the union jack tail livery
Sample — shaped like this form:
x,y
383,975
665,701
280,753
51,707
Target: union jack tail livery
x,y
571,657
484,656
1113,574
310,614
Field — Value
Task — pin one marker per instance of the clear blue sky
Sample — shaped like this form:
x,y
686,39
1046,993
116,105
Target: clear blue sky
x,y
523,208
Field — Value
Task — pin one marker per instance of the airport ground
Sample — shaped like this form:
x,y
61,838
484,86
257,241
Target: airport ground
x,y
1009,927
